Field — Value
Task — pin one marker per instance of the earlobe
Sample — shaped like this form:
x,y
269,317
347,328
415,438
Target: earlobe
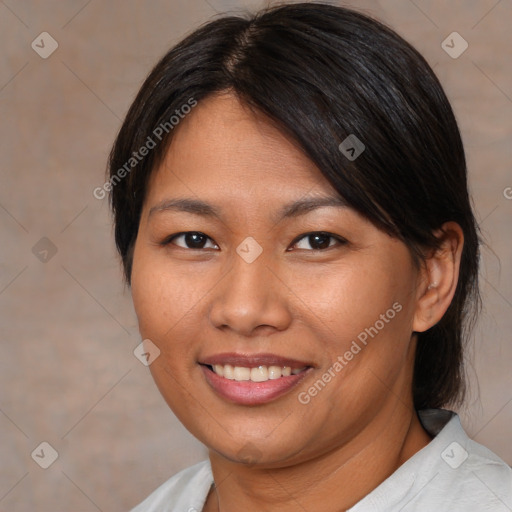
x,y
439,277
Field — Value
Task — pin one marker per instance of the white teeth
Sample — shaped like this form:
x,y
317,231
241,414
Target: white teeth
x,y
258,374
228,372
274,372
241,373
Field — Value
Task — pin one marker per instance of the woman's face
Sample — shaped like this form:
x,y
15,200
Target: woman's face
x,y
247,287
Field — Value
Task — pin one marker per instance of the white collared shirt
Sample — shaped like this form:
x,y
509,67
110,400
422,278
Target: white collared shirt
x,y
452,473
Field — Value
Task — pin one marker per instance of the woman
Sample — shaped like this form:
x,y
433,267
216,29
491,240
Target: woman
x,y
292,214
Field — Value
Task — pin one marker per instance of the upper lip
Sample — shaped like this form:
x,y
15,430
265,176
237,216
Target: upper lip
x,y
253,360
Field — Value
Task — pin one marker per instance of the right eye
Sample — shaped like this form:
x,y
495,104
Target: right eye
x,y
190,240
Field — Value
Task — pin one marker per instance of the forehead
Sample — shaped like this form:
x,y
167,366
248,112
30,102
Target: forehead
x,y
223,146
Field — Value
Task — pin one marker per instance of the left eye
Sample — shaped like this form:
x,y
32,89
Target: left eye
x,y
317,241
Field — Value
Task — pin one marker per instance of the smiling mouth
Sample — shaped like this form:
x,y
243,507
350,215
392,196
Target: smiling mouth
x,y
259,373
253,379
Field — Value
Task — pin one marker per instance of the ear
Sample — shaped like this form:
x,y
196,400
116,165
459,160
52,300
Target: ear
x,y
438,278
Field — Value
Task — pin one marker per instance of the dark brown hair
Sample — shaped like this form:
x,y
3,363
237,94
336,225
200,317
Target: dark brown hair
x,y
322,73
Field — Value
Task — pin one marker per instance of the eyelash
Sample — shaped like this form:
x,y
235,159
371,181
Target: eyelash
x,y
340,240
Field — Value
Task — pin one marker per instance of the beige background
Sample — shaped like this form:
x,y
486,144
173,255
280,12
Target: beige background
x,y
67,372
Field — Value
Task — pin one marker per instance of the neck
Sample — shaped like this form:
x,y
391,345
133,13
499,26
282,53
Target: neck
x,y
337,479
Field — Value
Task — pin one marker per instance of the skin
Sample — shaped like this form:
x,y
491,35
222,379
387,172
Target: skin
x,y
292,301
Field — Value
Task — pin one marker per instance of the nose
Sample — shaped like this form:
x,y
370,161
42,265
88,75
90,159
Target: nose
x,y
250,300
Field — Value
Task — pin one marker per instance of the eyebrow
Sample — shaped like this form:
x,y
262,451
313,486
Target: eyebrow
x,y
204,209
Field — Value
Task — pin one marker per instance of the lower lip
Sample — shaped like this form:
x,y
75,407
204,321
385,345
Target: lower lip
x,y
247,392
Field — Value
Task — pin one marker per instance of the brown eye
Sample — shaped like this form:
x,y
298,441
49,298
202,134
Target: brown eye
x,y
191,240
318,241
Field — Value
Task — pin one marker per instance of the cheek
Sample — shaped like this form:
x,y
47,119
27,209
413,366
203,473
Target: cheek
x,y
164,304
347,298
163,296
375,319
360,313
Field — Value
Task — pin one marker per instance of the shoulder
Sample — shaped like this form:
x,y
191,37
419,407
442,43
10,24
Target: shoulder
x,y
452,472
462,472
186,491
485,471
